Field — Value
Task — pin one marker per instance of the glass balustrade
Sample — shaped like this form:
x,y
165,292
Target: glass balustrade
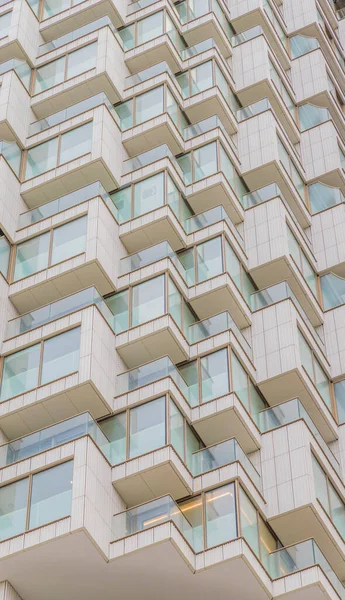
x,y
288,412
20,67
138,5
76,34
58,309
53,436
300,45
209,217
146,74
215,325
149,28
193,9
323,196
203,46
72,111
298,557
150,157
333,290
276,293
64,202
5,252
311,116
12,154
151,255
222,454
247,35
253,109
150,373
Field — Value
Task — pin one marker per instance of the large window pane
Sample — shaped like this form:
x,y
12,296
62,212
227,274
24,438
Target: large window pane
x,y
41,158
49,75
75,143
69,240
209,259
148,194
337,510
205,161
201,77
115,430
176,424
81,60
13,507
221,515
147,427
31,256
148,300
249,523
51,495
122,201
339,391
150,28
20,372
214,375
149,105
61,355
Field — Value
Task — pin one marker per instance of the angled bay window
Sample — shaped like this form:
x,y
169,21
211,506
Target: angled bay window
x,y
36,500
149,28
315,371
212,258
50,248
146,428
149,105
41,363
329,498
64,68
218,374
302,262
291,170
59,150
148,195
149,300
323,196
204,76
209,160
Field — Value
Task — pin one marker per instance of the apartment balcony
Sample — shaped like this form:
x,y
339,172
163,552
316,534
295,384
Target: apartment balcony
x,y
15,111
68,71
207,19
46,379
322,153
72,158
69,253
274,160
19,32
263,77
264,14
63,18
215,414
292,477
278,250
291,364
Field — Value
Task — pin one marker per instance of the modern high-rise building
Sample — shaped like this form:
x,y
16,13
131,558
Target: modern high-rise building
x,y
172,295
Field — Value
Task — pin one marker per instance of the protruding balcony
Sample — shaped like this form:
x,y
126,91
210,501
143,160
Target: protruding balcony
x,y
201,19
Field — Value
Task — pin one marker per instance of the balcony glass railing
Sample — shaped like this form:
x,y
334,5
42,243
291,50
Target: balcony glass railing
x,y
302,556
300,45
253,109
333,290
20,67
215,325
150,514
190,10
12,154
150,373
222,454
146,74
209,217
288,412
245,36
203,46
276,293
5,253
138,5
203,127
323,196
64,202
311,116
150,157
76,34
53,436
72,111
149,256
58,309
148,29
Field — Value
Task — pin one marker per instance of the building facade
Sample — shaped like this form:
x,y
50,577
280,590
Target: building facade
x,y
172,292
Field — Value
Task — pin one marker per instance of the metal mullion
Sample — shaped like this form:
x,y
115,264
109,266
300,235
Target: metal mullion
x,y
40,365
28,506
214,76
198,367
203,517
195,265
223,254
165,99
130,300
167,419
50,249
166,299
230,378
219,166
12,262
165,188
66,65
58,150
237,508
184,439
127,432
134,111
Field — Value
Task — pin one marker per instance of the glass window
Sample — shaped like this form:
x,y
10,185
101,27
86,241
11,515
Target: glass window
x,y
306,356
13,507
233,265
5,23
227,167
148,194
149,105
185,163
69,240
339,391
49,75
337,510
249,522
53,7
221,515
150,28
61,355
189,374
205,161
122,201
125,112
192,510
175,303
20,372
239,381
176,423
115,430
31,256
81,60
147,427
41,158
322,383
268,543
51,495
209,259
148,300
192,445
214,375
5,250
201,77
320,481
119,306
75,143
